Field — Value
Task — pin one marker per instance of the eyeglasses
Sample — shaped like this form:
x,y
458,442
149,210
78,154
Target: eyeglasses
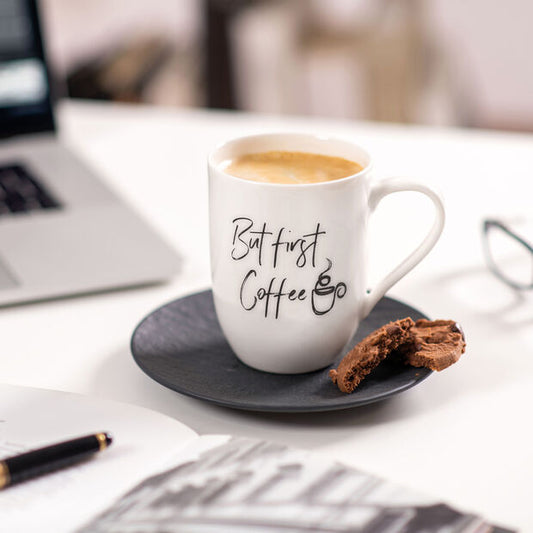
x,y
508,255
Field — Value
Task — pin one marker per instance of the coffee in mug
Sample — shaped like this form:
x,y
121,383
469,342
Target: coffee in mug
x,y
290,167
289,259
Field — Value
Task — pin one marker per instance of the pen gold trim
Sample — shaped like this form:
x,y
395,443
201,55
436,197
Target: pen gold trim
x,y
4,475
102,440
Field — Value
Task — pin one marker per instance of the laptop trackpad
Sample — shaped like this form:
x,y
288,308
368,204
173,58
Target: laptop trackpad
x,y
7,281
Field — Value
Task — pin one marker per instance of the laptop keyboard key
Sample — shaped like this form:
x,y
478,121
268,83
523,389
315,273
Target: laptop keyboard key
x,y
16,203
21,192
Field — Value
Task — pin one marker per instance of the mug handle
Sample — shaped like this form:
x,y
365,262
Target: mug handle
x,y
377,192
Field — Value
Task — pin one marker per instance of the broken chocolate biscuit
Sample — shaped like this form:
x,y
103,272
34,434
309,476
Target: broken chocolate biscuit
x,y
364,357
434,344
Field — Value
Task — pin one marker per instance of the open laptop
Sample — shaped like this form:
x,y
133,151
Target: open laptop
x,y
62,231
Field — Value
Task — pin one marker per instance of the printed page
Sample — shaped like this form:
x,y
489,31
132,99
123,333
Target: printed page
x,y
63,501
229,485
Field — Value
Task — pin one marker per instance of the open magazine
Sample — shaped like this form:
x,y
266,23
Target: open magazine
x,y
159,476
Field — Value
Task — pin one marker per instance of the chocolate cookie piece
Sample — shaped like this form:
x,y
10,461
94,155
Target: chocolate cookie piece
x,y
434,344
364,357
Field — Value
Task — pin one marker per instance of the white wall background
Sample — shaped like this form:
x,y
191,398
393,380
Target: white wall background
x,y
79,29
491,43
487,44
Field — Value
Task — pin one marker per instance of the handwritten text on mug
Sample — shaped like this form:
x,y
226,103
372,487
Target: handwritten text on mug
x,y
266,246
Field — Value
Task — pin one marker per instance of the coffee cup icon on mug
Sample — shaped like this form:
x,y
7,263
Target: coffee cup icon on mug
x,y
288,244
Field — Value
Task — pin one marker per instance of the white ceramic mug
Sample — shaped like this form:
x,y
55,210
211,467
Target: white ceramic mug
x,y
289,262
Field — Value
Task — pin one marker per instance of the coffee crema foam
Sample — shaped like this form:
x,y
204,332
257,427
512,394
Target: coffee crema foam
x,y
290,167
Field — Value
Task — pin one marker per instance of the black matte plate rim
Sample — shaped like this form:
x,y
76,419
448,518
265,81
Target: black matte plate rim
x,y
349,400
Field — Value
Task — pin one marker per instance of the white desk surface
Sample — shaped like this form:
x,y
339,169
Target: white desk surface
x,y
464,435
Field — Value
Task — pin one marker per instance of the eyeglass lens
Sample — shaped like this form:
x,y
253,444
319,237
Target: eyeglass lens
x,y
509,258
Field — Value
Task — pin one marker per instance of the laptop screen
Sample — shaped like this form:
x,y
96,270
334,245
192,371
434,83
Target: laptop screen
x,y
25,105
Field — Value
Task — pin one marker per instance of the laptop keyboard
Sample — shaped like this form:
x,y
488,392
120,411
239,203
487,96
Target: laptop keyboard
x,y
21,192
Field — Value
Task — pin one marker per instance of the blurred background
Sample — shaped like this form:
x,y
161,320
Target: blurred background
x,y
439,62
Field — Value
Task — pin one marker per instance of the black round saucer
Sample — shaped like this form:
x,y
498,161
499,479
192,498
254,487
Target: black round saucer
x,y
181,346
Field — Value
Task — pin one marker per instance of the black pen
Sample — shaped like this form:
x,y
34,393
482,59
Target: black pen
x,y
50,458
